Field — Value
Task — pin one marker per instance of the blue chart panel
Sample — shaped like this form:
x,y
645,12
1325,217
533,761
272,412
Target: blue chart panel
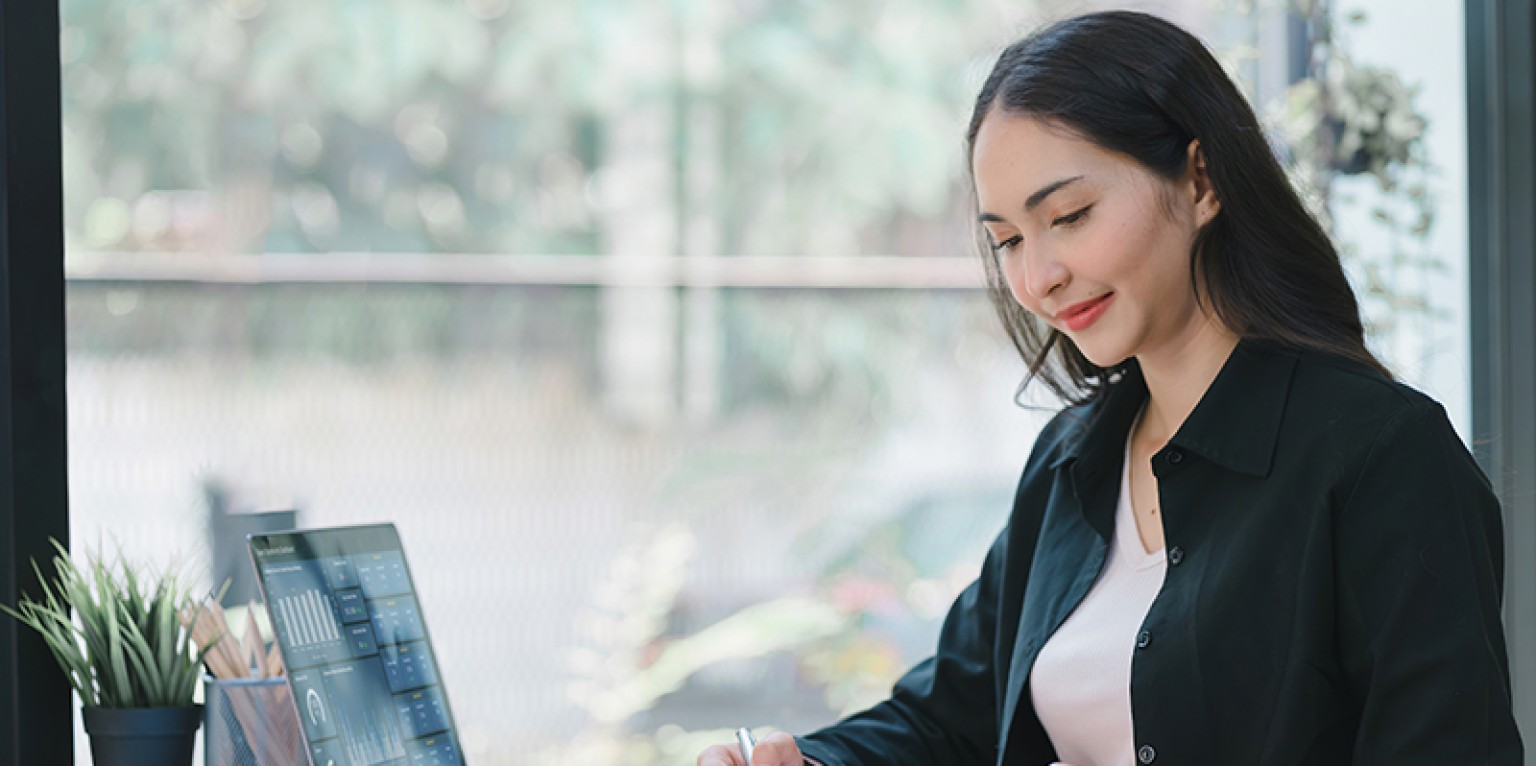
x,y
353,608
366,723
299,599
381,574
360,638
328,753
396,620
340,570
314,704
408,666
435,751
421,713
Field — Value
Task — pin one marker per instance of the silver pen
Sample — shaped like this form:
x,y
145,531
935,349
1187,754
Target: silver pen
x,y
746,742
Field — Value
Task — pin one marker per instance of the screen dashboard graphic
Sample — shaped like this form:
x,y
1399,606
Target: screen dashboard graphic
x,y
359,661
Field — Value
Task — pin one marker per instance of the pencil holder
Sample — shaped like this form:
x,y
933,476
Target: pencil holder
x,y
250,722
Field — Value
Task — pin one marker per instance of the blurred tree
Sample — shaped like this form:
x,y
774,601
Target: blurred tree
x,y
489,125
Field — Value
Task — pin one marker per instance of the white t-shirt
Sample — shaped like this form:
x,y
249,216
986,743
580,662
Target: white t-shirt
x,y
1081,681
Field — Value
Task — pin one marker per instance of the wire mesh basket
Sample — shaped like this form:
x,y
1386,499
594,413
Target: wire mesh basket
x,y
250,722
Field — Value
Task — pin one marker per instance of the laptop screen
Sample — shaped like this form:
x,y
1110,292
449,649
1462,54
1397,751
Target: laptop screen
x,y
360,662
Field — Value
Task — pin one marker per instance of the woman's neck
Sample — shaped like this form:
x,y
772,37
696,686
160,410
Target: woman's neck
x,y
1177,376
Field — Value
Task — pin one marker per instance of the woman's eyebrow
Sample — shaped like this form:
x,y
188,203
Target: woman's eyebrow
x,y
1046,191
1034,199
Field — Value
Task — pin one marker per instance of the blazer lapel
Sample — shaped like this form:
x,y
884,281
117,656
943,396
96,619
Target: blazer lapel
x,y
1070,557
1074,537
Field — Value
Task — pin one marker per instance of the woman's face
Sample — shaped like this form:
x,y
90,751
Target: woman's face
x,y
1088,240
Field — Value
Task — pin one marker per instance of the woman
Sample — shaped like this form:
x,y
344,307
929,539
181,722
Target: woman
x,y
1244,543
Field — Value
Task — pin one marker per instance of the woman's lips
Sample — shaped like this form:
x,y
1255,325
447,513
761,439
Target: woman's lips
x,y
1082,315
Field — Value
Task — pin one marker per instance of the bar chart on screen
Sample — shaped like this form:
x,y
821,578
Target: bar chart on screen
x,y
370,738
312,617
300,600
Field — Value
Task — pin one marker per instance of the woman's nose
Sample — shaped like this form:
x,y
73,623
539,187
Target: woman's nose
x,y
1038,274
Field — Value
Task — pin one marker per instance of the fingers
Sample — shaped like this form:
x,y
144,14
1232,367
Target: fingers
x,y
777,749
720,755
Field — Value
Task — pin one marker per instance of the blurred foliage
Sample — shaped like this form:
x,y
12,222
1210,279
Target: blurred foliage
x,y
1349,119
491,125
375,326
846,637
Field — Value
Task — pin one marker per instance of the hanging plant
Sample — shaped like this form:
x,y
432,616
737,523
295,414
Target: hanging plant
x,y
1346,119
1353,120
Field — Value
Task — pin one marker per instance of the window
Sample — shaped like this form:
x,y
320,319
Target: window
x,y
646,325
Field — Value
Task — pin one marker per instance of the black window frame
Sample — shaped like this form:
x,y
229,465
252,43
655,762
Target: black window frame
x,y
36,723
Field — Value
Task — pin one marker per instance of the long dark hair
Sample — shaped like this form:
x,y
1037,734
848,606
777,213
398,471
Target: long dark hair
x,y
1135,84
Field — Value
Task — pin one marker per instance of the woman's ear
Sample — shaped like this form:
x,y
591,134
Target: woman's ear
x,y
1206,203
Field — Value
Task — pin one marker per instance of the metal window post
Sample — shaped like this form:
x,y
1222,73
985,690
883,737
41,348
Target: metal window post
x,y
1501,133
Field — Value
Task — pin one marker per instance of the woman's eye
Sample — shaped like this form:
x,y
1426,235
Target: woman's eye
x,y
1008,243
1072,218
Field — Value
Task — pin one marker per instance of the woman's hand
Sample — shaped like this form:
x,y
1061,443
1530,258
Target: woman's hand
x,y
776,749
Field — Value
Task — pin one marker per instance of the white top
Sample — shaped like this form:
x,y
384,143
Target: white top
x,y
1081,682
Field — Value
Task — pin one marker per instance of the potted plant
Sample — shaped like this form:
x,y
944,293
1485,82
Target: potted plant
x,y
126,654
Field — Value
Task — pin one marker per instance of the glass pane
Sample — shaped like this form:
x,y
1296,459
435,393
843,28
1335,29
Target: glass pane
x,y
1420,251
654,326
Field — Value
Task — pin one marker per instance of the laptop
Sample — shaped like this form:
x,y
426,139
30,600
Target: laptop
x,y
363,677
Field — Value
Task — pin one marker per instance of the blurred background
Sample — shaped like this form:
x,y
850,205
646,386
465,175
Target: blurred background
x,y
655,325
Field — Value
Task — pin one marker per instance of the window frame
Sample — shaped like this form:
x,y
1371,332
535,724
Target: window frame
x,y
1501,153
36,724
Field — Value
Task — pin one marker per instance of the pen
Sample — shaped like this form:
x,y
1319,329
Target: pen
x,y
746,742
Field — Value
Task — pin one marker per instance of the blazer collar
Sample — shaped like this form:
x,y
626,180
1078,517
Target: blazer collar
x,y
1235,424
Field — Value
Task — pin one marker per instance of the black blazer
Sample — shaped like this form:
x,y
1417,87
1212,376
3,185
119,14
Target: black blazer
x,y
1335,573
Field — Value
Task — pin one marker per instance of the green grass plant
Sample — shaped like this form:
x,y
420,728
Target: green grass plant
x,y
127,649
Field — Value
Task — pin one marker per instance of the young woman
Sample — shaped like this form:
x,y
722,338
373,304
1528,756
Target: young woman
x,y
1244,543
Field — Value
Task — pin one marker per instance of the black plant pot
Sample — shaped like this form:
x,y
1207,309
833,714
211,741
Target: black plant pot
x,y
145,736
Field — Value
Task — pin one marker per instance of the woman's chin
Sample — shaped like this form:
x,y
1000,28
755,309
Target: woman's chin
x,y
1102,354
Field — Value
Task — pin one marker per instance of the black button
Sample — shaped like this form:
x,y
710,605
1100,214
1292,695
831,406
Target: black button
x,y
1146,754
1143,639
1175,457
1175,555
